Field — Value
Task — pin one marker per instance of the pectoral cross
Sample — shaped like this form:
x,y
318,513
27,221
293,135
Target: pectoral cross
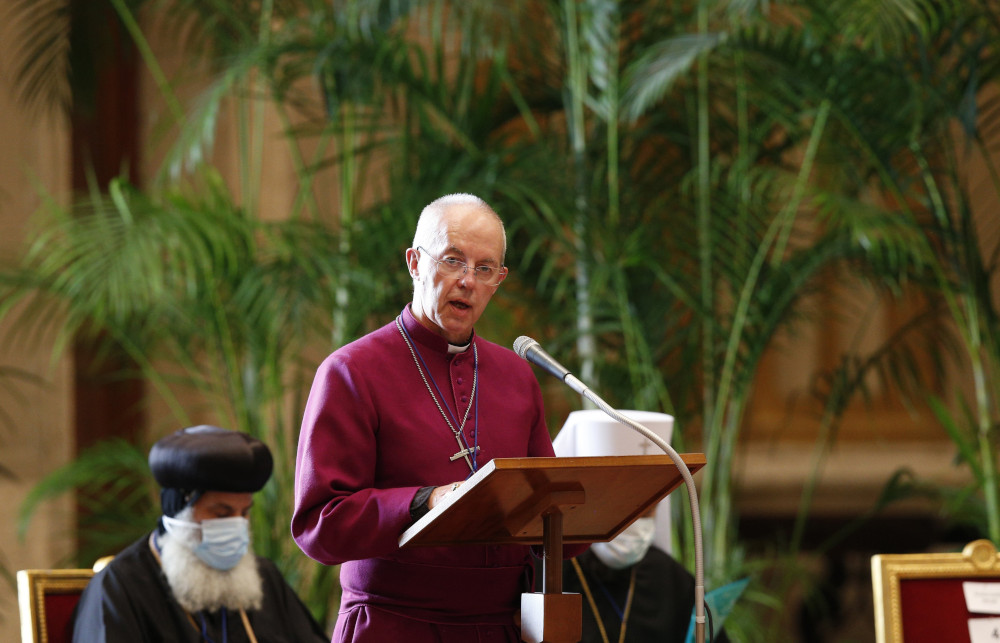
x,y
464,452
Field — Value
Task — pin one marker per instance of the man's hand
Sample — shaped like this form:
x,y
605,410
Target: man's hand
x,y
440,492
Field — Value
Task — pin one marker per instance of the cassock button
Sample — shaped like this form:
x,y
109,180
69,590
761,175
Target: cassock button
x,y
460,380
465,398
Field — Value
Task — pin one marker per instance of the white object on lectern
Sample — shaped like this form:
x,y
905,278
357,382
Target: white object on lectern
x,y
593,432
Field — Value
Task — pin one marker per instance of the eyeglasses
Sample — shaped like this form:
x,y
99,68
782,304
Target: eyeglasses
x,y
452,267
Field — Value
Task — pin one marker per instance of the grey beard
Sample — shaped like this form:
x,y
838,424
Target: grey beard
x,y
197,587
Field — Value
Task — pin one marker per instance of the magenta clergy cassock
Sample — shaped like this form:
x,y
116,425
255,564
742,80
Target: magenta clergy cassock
x,y
371,437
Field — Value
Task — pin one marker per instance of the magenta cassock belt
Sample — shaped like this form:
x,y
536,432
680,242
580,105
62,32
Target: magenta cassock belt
x,y
434,593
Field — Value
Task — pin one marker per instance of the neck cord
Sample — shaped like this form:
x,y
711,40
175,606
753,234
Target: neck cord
x,y
459,433
204,627
593,605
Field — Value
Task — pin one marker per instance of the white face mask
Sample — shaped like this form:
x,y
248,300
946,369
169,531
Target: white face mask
x,y
224,541
629,547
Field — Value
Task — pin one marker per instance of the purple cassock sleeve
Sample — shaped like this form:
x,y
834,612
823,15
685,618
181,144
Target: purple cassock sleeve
x,y
340,514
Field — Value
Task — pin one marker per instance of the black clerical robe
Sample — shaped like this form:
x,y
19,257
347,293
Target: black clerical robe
x,y
130,601
661,606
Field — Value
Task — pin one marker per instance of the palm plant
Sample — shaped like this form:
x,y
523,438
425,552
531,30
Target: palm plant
x,y
755,118
225,302
214,303
678,179
922,160
222,310
637,260
906,189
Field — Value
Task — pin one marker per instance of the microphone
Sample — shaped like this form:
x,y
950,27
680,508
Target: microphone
x,y
530,350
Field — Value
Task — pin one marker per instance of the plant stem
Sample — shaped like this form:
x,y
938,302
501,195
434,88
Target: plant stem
x,y
148,57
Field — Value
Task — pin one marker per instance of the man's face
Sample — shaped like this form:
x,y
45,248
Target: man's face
x,y
222,504
196,583
450,306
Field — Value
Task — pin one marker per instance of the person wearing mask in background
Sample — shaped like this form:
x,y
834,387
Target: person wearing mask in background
x,y
194,579
633,590
401,417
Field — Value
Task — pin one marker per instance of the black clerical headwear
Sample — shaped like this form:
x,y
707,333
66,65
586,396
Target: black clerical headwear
x,y
204,458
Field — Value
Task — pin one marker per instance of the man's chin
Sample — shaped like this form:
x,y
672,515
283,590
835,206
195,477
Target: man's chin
x,y
457,327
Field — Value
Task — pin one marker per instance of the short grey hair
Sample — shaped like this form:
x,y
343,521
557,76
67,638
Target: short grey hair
x,y
429,216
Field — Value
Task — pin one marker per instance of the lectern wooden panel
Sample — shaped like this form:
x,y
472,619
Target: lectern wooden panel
x,y
549,501
502,503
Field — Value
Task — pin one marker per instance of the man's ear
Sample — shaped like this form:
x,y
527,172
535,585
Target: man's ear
x,y
412,261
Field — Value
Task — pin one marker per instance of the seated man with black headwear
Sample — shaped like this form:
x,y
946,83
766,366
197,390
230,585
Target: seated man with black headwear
x,y
194,578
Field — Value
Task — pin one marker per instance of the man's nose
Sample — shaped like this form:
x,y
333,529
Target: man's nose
x,y
468,279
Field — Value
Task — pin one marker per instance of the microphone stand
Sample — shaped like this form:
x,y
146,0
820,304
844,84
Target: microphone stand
x,y
699,565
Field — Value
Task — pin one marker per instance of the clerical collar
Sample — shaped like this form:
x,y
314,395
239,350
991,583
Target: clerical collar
x,y
425,337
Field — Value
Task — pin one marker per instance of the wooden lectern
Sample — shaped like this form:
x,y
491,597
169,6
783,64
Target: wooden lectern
x,y
551,502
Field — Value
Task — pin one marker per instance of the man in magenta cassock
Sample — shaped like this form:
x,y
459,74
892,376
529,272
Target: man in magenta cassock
x,y
398,418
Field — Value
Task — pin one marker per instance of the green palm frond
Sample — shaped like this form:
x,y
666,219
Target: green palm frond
x,y
116,495
882,27
60,50
43,27
654,73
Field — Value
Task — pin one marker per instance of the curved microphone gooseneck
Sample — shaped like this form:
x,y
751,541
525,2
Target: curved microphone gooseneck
x,y
531,351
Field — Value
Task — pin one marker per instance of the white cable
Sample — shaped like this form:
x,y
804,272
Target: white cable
x,y
699,567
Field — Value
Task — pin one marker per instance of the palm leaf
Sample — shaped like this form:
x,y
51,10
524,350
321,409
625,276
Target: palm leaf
x,y
116,495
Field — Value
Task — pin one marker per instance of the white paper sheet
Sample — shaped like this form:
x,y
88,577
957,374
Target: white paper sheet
x,y
984,630
982,598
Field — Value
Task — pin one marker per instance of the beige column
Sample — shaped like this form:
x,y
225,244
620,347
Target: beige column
x,y
36,408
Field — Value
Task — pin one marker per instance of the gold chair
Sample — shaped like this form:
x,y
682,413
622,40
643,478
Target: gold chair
x,y
46,600
919,598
